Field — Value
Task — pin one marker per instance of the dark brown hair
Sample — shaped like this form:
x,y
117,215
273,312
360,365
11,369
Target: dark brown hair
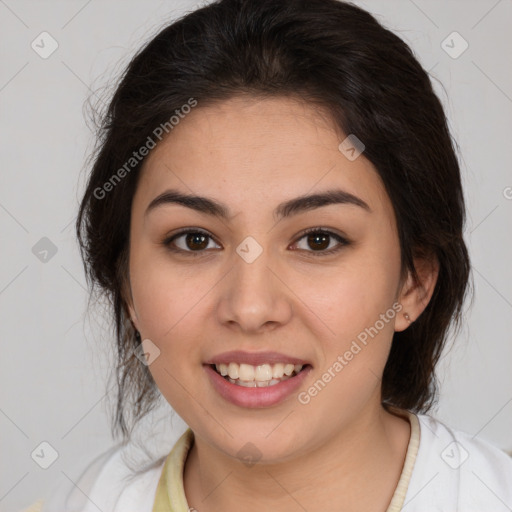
x,y
331,54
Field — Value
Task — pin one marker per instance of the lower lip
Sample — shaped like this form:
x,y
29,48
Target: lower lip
x,y
255,397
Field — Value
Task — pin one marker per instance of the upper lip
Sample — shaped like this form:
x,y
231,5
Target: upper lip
x,y
254,358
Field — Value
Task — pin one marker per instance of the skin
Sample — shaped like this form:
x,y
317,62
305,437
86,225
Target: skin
x,y
252,154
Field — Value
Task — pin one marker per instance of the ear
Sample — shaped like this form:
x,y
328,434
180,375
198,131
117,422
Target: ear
x,y
415,294
126,293
133,315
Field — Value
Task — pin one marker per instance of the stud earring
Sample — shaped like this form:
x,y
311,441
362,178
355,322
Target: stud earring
x,y
407,317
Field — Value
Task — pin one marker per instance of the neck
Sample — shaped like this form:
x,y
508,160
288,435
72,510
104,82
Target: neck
x,y
356,469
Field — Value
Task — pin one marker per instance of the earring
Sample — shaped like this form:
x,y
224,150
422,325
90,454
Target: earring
x,y
137,335
407,317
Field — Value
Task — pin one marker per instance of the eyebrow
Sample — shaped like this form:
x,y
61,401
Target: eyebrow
x,y
288,208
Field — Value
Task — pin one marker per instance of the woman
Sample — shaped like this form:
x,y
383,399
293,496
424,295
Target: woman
x,y
275,211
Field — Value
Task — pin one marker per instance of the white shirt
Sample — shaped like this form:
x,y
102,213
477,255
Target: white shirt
x,y
456,472
452,472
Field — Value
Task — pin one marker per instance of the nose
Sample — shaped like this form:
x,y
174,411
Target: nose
x,y
254,296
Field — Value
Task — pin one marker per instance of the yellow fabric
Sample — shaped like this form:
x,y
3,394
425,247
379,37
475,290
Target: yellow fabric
x,y
410,458
171,479
170,494
35,507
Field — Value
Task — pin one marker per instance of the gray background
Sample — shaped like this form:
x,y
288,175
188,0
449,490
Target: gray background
x,y
55,358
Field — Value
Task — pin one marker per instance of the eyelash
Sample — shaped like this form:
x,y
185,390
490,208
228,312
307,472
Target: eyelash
x,y
167,242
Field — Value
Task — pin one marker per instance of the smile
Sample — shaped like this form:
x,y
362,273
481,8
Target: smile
x,y
256,386
260,376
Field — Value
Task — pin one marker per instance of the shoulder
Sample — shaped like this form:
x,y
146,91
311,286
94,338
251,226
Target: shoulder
x,y
110,482
455,470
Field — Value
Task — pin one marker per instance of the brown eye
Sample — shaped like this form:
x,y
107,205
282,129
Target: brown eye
x,y
196,241
189,241
321,241
318,241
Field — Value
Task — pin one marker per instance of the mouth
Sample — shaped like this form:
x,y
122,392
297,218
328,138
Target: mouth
x,y
256,379
260,376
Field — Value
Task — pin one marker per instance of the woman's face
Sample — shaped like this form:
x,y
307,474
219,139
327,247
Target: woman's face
x,y
253,282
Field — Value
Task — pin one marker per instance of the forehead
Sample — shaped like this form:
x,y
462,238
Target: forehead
x,y
247,148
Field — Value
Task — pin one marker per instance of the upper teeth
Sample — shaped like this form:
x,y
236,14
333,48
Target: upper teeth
x,y
261,373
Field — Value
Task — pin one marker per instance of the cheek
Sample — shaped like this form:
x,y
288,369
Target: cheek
x,y
167,299
164,294
354,295
357,303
